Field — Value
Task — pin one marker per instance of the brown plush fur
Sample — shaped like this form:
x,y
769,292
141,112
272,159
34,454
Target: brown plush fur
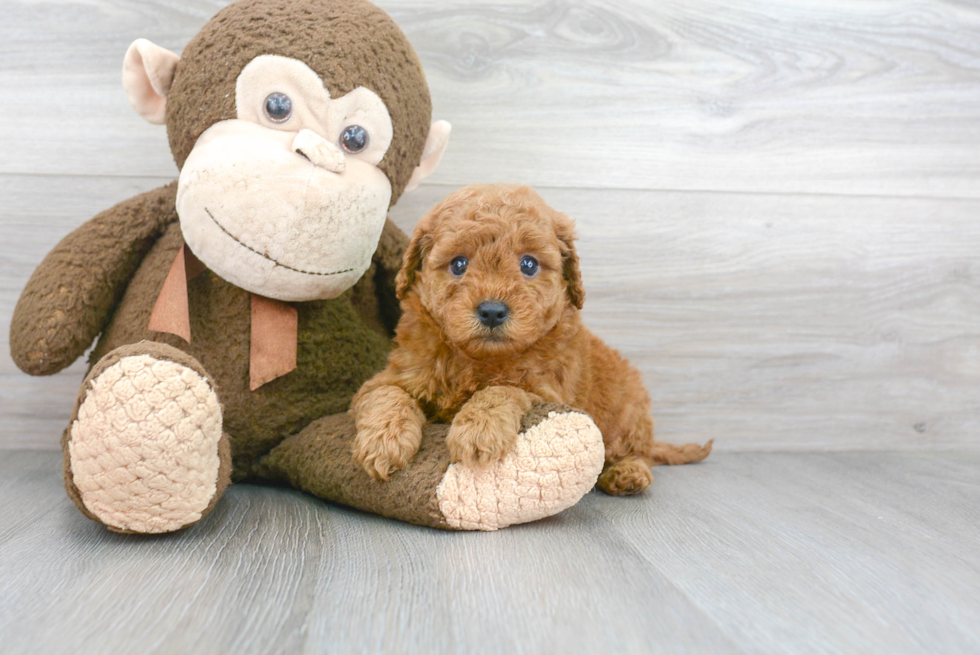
x,y
450,367
349,43
102,280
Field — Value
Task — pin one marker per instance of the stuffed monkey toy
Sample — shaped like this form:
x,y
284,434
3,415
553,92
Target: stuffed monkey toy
x,y
238,309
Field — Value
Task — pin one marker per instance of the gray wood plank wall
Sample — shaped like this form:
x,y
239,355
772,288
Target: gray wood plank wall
x,y
777,202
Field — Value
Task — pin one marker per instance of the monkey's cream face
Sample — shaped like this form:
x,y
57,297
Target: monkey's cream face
x,y
286,200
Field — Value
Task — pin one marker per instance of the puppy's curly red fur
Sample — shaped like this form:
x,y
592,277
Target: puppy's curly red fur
x,y
450,366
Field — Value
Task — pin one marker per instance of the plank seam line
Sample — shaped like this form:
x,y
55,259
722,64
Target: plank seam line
x,y
741,192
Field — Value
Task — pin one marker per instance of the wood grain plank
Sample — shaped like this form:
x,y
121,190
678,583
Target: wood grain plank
x,y
825,96
819,553
761,553
275,571
766,322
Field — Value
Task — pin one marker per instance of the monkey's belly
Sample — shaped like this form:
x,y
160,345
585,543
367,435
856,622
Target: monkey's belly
x,y
337,351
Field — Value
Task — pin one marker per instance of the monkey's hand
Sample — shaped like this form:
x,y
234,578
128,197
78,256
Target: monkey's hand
x,y
71,295
389,429
486,427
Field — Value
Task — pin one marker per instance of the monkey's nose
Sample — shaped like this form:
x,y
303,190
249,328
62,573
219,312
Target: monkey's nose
x,y
319,151
492,313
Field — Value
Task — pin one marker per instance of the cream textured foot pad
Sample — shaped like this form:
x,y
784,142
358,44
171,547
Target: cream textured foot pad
x,y
555,463
144,448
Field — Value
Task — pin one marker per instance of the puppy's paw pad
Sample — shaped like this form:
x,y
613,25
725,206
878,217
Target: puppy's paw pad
x,y
625,478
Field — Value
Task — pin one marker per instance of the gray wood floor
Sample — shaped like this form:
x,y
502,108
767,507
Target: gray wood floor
x,y
778,207
753,553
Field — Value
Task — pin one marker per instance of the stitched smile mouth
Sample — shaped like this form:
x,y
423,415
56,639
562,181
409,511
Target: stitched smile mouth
x,y
264,256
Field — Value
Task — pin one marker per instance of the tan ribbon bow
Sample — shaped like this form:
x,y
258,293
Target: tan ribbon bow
x,y
274,328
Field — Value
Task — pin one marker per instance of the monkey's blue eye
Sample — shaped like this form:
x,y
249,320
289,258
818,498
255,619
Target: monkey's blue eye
x,y
354,139
529,266
278,107
458,266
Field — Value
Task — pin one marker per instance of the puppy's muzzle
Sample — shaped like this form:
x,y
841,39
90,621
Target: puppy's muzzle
x,y
492,313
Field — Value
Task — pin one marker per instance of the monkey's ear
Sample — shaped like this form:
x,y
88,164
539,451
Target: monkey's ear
x,y
565,231
148,72
418,248
435,146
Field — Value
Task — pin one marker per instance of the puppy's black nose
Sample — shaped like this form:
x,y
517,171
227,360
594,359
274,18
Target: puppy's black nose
x,y
492,313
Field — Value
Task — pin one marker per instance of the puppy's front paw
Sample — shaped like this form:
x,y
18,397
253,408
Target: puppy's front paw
x,y
389,429
479,439
382,450
626,477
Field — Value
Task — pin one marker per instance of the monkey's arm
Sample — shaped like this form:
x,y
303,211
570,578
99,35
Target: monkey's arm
x,y
388,260
71,295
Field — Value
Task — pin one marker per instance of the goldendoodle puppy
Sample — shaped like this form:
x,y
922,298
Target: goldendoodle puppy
x,y
491,293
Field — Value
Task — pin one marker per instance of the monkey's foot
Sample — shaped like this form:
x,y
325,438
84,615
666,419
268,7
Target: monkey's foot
x,y
557,458
144,452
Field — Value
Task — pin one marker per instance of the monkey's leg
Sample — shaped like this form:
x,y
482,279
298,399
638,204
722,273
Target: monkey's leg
x,y
144,452
556,461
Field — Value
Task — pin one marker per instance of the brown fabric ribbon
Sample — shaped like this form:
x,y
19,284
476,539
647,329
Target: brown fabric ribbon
x,y
274,324
275,330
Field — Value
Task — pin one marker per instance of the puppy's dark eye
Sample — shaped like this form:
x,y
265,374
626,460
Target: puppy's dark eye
x,y
458,266
529,266
278,107
354,139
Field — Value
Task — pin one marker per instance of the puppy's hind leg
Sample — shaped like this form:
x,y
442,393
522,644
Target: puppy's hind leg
x,y
389,429
628,434
631,475
629,458
625,477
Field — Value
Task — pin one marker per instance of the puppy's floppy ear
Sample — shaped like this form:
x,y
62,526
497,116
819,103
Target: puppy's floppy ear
x,y
565,231
418,248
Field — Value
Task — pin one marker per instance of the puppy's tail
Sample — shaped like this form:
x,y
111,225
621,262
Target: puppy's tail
x,y
668,453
